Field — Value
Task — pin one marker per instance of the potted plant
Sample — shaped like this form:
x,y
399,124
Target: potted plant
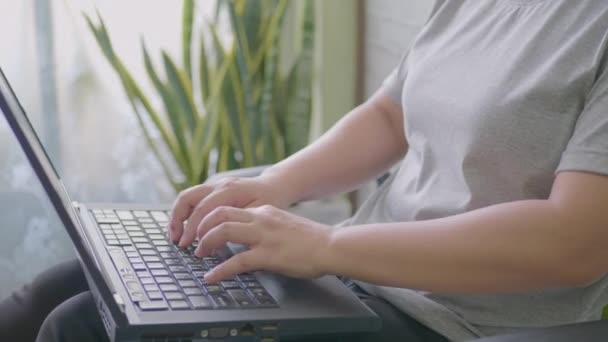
x,y
226,105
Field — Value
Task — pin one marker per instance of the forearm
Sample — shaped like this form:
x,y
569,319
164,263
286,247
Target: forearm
x,y
518,246
362,145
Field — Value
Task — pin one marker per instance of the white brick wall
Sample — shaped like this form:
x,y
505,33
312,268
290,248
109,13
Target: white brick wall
x,y
391,27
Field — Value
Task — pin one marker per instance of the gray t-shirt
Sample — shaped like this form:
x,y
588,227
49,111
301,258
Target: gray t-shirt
x,y
498,96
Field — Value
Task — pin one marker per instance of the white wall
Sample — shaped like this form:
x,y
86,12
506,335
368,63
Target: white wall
x,y
391,27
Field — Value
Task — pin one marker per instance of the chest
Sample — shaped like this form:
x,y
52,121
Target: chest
x,y
499,82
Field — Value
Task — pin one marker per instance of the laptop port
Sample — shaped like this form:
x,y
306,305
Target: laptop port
x,y
247,330
269,330
217,333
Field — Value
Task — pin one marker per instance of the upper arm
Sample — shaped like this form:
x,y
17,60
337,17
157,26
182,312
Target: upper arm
x,y
392,115
581,201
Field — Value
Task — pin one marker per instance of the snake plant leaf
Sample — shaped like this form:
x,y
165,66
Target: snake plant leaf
x,y
172,111
298,115
227,94
187,23
240,116
268,33
203,71
181,88
249,125
208,127
266,114
252,17
135,96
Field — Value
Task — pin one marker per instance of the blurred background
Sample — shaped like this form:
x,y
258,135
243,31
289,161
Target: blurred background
x,y
79,108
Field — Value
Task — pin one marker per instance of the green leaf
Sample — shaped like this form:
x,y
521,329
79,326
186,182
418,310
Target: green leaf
x,y
298,116
203,70
250,137
135,96
172,111
187,22
181,88
266,114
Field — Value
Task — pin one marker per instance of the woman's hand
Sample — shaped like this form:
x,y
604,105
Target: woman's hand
x,y
278,241
194,204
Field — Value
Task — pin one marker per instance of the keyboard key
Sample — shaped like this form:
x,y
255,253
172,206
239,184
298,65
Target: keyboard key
x,y
157,237
251,284
139,266
213,288
147,280
187,283
262,297
124,215
133,229
168,255
200,302
177,269
153,231
108,220
155,295
141,213
154,305
150,287
222,300
143,246
240,297
116,226
140,240
165,249
129,223
122,236
143,274
135,234
132,254
193,291
197,268
160,242
155,266
147,222
125,242
151,258
173,295
159,273
136,260
164,280
179,304
182,276
173,262
147,252
199,274
169,288
229,284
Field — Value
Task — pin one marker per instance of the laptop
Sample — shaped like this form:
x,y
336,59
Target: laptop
x,y
147,289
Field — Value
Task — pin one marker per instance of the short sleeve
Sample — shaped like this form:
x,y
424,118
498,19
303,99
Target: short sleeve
x,y
393,84
587,149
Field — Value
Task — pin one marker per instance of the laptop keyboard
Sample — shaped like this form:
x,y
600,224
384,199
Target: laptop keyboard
x,y
161,276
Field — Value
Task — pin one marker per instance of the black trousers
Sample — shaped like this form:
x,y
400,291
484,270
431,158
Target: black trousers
x,y
58,307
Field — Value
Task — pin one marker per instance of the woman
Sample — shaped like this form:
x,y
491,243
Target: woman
x,y
494,222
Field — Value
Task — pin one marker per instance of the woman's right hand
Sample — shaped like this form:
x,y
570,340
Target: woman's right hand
x,y
193,204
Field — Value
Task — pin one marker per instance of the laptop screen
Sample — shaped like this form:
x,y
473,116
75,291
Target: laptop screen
x,y
50,180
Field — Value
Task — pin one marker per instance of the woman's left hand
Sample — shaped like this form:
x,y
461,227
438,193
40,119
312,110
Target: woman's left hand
x,y
278,241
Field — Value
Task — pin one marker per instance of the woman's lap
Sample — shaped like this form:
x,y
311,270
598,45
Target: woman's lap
x,y
58,307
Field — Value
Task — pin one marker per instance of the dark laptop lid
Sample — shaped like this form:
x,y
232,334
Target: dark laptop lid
x,y
48,176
